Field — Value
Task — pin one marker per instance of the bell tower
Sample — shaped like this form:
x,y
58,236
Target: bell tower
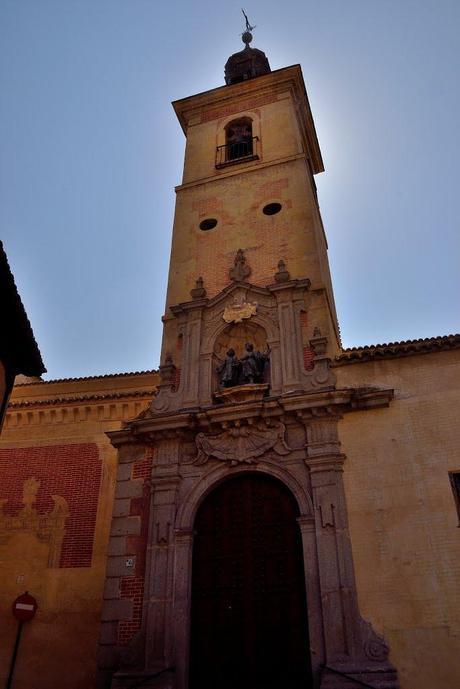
x,y
229,550
248,183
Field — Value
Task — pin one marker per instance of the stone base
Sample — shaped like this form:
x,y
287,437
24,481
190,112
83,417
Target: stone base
x,y
380,678
147,679
251,392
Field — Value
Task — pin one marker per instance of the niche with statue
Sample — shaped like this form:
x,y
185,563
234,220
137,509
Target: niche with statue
x,y
242,362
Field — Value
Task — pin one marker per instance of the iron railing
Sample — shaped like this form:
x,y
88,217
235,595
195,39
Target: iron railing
x,y
237,152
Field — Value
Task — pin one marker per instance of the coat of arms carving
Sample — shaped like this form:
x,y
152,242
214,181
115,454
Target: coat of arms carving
x,y
49,527
242,444
238,311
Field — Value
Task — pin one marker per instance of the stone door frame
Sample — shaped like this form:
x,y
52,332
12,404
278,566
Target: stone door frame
x,y
183,551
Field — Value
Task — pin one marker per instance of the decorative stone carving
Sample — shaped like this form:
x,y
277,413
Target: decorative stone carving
x,y
198,292
321,376
48,528
240,270
242,444
374,645
163,399
282,275
167,371
162,530
242,393
238,311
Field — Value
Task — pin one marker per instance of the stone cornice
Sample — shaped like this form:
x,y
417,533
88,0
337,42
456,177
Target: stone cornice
x,y
397,349
243,169
331,403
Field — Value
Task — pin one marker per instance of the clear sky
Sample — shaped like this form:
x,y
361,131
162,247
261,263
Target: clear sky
x,y
91,151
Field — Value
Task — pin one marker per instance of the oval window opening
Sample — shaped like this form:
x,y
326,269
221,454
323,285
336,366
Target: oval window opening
x,y
208,224
272,208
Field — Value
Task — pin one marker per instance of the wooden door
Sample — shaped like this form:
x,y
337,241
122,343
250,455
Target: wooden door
x,y
249,619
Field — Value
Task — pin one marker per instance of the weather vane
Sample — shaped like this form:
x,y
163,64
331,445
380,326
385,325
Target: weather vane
x,y
248,26
247,35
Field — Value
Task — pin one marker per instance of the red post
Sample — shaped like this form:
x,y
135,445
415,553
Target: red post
x,y
24,609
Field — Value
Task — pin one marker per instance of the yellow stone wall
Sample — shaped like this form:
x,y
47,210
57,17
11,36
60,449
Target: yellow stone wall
x,y
403,520
58,648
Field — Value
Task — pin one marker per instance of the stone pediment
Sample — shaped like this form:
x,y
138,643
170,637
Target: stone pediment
x,y
236,288
222,298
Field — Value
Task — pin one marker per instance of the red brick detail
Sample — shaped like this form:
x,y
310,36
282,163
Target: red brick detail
x,y
143,468
308,356
303,319
206,206
216,251
132,587
238,106
176,378
70,471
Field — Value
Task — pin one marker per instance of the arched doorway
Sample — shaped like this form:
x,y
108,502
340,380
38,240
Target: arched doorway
x,y
249,619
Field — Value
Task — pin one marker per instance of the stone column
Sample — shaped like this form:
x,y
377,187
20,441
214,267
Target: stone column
x,y
315,620
333,547
182,604
289,338
157,618
189,386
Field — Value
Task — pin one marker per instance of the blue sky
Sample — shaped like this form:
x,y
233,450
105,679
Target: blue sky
x,y
91,152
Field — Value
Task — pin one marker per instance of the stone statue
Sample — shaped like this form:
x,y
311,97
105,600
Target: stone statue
x,y
249,369
252,365
240,270
229,370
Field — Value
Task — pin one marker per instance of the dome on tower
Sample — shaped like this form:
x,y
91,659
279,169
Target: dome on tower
x,y
246,64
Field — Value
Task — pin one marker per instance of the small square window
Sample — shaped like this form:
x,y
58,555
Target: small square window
x,y
455,483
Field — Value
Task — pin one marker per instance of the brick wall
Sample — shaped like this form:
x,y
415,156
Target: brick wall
x,y
308,356
69,471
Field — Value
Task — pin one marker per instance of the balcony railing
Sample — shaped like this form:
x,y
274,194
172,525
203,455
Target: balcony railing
x,y
237,152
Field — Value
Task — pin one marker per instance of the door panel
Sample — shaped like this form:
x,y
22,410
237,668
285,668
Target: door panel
x,y
249,618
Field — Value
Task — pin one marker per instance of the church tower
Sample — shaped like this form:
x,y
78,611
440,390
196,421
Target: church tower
x,y
248,184
230,563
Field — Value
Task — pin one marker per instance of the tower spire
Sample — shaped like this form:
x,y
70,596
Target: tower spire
x,y
249,62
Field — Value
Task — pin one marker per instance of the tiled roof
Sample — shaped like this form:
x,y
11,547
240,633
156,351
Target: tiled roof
x,y
20,404
398,349
80,378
